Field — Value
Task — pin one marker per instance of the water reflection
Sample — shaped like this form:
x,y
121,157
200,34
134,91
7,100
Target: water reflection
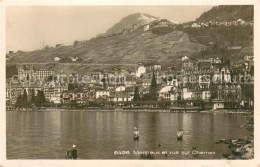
x,y
48,135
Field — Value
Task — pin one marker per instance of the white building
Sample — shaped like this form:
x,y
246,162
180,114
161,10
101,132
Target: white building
x,y
165,92
74,59
195,25
241,21
141,70
185,58
120,89
56,59
146,27
218,104
186,95
55,99
102,93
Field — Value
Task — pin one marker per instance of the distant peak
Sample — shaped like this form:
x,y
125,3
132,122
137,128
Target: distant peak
x,y
146,18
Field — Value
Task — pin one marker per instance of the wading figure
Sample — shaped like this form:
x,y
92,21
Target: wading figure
x,y
72,154
179,135
136,134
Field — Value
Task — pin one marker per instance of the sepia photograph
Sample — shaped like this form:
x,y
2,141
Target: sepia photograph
x,y
129,82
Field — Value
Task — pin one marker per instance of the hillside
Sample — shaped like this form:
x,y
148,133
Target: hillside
x,y
229,13
131,47
124,44
217,39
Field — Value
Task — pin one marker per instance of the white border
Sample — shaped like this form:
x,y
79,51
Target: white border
x,y
112,163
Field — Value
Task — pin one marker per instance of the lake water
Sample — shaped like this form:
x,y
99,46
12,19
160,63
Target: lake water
x,y
49,134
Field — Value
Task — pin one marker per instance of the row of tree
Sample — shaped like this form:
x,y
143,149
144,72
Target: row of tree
x,y
25,101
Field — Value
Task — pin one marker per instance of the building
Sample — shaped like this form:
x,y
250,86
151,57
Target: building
x,y
218,104
234,48
163,23
187,67
146,27
205,66
221,74
44,73
141,70
134,26
174,96
56,59
195,25
249,58
26,72
74,59
130,81
120,97
155,67
215,60
206,95
185,58
77,96
229,92
102,94
241,22
120,89
165,92
186,94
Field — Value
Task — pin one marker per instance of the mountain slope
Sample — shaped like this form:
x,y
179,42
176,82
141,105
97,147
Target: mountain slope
x,y
131,47
228,12
138,19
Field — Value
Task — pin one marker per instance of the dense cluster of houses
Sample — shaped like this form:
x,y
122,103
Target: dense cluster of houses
x,y
239,22
207,80
150,25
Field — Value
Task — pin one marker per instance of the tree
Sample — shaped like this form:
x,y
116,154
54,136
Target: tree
x,y
18,103
11,70
32,96
136,94
248,93
40,98
153,89
202,105
213,90
76,42
72,86
252,71
27,77
103,80
46,47
50,78
25,99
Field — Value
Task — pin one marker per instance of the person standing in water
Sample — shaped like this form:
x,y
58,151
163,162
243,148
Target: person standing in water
x,y
74,152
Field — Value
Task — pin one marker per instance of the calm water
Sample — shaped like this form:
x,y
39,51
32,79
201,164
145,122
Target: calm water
x,y
49,134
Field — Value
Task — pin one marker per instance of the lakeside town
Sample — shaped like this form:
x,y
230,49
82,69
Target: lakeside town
x,y
198,84
204,84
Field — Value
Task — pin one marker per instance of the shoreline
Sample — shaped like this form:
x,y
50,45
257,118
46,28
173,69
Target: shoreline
x,y
158,110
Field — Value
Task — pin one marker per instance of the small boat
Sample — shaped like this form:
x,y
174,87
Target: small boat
x,y
179,134
136,134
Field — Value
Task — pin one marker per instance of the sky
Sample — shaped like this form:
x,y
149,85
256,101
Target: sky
x,y
30,27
